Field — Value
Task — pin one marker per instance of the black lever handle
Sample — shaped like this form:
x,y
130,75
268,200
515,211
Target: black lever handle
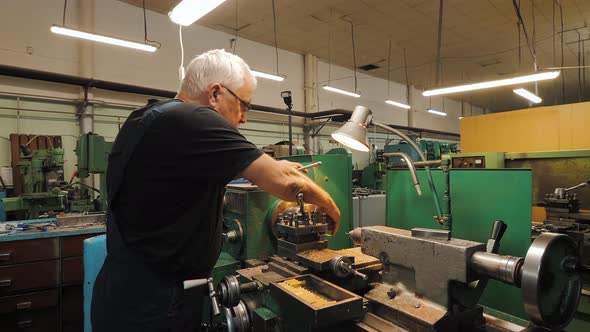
x,y
498,230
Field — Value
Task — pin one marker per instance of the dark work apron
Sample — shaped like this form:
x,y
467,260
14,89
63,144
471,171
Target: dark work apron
x,y
129,294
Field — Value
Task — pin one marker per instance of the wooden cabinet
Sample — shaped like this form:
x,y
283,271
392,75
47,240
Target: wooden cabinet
x,y
41,284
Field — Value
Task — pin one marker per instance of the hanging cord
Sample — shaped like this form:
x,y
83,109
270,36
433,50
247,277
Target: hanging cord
x,y
274,23
329,56
562,60
526,35
353,51
236,29
145,34
63,21
519,46
388,66
407,78
579,67
181,68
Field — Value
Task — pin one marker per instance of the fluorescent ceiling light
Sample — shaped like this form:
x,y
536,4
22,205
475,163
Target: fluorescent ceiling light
x,y
340,91
268,76
395,103
528,95
460,118
102,39
188,11
492,84
430,110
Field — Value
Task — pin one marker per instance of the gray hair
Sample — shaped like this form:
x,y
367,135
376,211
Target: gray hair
x,y
215,66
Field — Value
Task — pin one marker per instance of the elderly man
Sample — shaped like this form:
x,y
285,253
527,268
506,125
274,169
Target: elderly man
x,y
166,178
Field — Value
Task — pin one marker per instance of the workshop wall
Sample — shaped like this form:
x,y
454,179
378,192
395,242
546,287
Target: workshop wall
x,y
551,128
28,43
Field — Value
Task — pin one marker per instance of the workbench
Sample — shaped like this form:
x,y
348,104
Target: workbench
x,y
41,278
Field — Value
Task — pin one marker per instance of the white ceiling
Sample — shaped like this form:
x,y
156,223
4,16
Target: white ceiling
x,y
479,39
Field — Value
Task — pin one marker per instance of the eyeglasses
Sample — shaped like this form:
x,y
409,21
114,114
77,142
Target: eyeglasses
x,y
247,106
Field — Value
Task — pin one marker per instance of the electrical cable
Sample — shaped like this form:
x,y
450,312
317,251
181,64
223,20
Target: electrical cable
x,y
274,23
562,60
388,66
526,35
145,34
353,56
353,52
63,21
181,68
407,78
236,29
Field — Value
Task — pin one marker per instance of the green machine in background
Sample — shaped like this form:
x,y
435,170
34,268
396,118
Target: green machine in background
x,y
45,189
93,154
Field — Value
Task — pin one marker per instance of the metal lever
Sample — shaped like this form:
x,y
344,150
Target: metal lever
x,y
498,230
213,296
300,202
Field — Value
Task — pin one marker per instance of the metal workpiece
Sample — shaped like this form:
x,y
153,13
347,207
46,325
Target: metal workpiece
x,y
550,288
411,168
506,269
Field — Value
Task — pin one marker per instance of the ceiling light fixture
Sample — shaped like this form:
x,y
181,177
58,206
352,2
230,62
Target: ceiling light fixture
x,y
188,11
268,76
101,38
395,103
430,110
340,91
492,84
528,95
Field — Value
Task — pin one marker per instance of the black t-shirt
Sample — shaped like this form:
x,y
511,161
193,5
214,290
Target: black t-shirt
x,y
168,208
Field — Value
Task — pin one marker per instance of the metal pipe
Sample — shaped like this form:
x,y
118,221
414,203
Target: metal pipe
x,y
402,135
411,168
418,163
507,269
421,155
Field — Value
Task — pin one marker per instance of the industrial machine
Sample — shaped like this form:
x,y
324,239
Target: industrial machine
x,y
420,279
432,282
562,209
428,281
45,189
281,149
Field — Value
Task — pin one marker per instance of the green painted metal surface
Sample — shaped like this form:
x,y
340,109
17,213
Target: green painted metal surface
x,y
334,176
225,265
252,209
478,197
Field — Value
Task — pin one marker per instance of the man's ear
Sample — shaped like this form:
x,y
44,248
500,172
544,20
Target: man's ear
x,y
214,94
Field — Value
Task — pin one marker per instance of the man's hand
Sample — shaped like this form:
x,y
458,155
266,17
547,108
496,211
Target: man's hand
x,y
333,213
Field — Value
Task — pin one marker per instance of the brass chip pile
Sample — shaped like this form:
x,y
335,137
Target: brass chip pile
x,y
312,298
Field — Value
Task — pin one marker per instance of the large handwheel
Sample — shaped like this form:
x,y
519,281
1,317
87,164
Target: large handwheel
x,y
550,287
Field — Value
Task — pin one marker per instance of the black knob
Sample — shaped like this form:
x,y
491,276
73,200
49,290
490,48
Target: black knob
x,y
498,230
